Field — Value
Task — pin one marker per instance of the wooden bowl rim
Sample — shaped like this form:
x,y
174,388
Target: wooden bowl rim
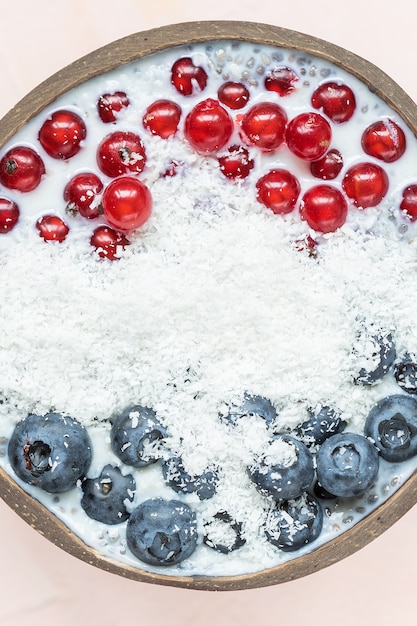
x,y
109,57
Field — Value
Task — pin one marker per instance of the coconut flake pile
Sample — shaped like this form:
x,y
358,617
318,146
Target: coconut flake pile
x,y
212,299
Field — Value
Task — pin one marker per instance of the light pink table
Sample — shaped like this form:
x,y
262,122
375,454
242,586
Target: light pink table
x,y
41,584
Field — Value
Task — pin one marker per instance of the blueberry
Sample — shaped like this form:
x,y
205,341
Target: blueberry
x,y
347,464
321,493
190,381
292,524
223,533
405,373
377,353
162,532
321,425
52,451
104,498
392,425
285,470
134,434
250,405
204,485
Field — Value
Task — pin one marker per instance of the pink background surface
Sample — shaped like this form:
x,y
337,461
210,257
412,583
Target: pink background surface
x,y
39,582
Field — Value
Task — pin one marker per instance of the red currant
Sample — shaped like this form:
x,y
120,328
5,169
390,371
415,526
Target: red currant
x,y
336,100
278,190
282,80
409,202
62,133
109,104
9,215
324,208
308,136
107,242
366,184
208,126
171,170
127,203
306,244
384,140
52,228
81,194
264,125
233,95
121,152
162,118
236,163
21,168
328,167
185,76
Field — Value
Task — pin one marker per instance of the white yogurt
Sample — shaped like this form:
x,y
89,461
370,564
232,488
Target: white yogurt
x,y
210,289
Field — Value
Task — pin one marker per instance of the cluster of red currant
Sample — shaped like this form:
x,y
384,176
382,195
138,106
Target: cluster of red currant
x,y
265,125
126,201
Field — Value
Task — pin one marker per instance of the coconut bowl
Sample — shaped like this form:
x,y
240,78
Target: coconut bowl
x,y
130,49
